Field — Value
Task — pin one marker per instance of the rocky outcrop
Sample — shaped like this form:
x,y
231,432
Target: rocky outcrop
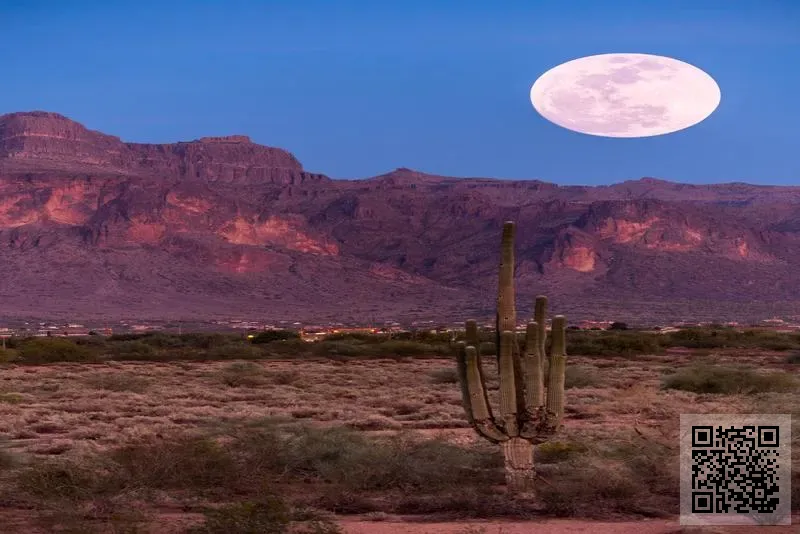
x,y
51,141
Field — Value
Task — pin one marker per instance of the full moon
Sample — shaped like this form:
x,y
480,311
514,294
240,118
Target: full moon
x,y
625,95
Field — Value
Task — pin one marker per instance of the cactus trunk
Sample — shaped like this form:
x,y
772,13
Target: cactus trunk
x,y
518,460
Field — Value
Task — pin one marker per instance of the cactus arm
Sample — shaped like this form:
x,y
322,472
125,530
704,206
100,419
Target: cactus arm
x,y
540,317
508,384
461,368
481,413
558,359
532,364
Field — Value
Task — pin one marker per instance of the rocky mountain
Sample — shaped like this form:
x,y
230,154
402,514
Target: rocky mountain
x,y
91,226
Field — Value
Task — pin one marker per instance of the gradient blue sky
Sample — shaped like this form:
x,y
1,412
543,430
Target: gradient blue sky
x,y
357,88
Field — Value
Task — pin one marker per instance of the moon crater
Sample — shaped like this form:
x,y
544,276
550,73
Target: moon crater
x,y
625,95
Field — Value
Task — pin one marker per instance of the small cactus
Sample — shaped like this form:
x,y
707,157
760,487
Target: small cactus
x,y
529,413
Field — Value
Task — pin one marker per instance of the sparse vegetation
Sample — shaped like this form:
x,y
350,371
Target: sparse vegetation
x,y
242,374
51,350
614,343
105,447
444,376
162,347
269,336
114,381
728,380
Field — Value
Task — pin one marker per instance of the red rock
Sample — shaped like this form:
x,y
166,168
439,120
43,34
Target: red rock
x,y
222,227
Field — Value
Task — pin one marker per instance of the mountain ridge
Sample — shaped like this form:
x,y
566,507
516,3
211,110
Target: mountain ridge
x,y
222,225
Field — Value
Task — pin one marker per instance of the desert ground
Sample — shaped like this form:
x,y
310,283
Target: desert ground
x,y
612,469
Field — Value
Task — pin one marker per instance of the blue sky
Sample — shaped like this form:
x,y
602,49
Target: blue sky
x,y
357,88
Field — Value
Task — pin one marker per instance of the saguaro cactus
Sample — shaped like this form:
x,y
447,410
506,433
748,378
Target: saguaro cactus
x,y
529,413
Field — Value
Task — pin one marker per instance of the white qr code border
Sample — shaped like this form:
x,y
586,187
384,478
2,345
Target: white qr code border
x,y
691,476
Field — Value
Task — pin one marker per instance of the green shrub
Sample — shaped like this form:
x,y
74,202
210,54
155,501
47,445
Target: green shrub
x,y
580,377
269,516
8,355
235,351
552,452
358,337
616,343
10,398
115,381
342,348
728,380
242,374
132,350
444,376
268,336
188,463
53,349
357,462
411,348
713,338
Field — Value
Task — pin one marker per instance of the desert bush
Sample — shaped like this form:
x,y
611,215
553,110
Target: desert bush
x,y
356,462
411,348
616,343
291,348
580,377
234,351
358,337
64,479
284,377
385,349
8,355
159,340
342,348
793,358
271,515
239,374
613,478
444,376
7,397
115,381
725,337
728,380
132,350
268,336
52,350
268,515
552,452
7,459
189,463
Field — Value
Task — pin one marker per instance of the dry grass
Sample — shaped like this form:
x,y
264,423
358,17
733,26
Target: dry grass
x,y
168,440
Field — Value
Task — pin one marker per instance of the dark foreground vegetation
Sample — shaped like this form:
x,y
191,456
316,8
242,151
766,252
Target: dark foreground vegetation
x,y
270,477
287,344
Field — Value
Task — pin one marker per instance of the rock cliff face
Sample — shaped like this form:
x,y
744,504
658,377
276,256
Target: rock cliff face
x,y
53,142
222,227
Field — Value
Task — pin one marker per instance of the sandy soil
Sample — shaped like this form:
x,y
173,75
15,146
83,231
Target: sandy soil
x,y
72,409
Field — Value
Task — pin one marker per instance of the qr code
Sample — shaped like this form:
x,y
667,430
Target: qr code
x,y
735,469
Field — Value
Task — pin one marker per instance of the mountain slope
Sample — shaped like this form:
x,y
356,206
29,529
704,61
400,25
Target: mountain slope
x,y
221,227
